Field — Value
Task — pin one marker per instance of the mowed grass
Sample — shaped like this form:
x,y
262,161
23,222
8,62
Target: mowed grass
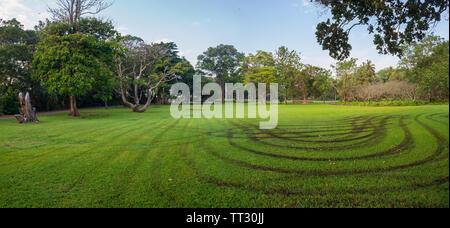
x,y
319,156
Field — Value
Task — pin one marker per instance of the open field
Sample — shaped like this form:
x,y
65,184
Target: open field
x,y
319,156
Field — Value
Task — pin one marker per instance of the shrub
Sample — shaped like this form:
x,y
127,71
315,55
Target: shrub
x,y
389,91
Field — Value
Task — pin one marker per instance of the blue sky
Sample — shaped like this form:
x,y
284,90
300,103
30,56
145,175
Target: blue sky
x,y
249,25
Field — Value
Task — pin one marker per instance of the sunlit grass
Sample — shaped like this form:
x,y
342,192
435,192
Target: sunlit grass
x,y
319,156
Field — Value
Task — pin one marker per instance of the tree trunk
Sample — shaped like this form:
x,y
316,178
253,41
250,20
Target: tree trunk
x,y
125,101
304,98
144,108
73,107
27,112
223,92
286,98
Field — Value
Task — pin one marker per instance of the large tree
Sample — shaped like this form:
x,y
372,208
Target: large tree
x,y
286,63
259,68
221,62
365,74
69,16
142,69
393,23
16,54
321,83
345,83
427,64
71,64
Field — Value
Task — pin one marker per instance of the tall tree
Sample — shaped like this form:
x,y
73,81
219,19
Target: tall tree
x,y
259,68
143,69
71,13
393,22
345,71
221,62
365,74
72,64
285,64
321,83
427,64
16,54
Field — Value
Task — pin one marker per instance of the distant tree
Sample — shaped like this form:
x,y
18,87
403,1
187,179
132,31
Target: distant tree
x,y
345,84
17,47
391,74
393,22
321,83
285,64
143,68
221,62
306,77
259,68
427,64
365,74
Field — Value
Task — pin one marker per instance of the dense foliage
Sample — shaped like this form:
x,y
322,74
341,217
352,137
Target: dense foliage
x,y
393,22
78,61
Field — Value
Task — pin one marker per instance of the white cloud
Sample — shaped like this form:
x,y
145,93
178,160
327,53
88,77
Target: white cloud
x,y
28,12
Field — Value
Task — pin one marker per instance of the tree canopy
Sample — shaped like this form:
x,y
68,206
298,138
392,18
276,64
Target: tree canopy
x,y
392,22
71,64
221,62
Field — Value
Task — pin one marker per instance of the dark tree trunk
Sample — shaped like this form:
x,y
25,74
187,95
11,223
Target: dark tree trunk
x,y
304,99
285,98
73,107
223,92
27,112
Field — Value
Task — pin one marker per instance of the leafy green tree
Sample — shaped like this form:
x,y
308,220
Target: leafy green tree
x,y
143,69
259,68
365,74
308,80
72,64
16,54
222,62
345,84
391,74
285,64
185,76
321,83
393,22
427,64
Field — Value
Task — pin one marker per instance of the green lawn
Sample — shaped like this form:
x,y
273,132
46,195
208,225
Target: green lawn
x,y
319,156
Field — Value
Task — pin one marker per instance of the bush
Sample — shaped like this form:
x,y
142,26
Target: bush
x,y
390,91
391,103
1,107
8,106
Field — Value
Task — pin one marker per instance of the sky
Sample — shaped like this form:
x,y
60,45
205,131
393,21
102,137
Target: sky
x,y
249,25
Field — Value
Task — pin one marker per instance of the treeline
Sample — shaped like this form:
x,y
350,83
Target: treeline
x,y
422,75
73,62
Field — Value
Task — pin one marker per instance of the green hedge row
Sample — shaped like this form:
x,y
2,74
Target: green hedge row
x,y
392,103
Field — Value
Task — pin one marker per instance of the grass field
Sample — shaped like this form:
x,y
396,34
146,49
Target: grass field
x,y
319,156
